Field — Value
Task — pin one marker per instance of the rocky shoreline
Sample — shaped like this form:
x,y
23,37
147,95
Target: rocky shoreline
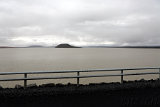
x,y
130,93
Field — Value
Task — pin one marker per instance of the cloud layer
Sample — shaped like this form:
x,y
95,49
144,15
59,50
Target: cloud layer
x,y
79,22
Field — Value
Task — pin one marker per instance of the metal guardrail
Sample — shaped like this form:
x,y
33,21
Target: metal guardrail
x,y
121,74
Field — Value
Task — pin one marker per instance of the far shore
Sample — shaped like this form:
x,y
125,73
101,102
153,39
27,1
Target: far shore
x,y
89,47
66,45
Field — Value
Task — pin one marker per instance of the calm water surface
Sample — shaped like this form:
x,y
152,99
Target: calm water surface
x,y
49,59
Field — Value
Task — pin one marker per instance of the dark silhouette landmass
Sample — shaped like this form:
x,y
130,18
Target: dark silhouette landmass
x,y
122,46
6,47
35,46
66,46
129,94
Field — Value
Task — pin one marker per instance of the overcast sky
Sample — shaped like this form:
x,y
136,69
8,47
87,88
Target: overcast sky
x,y
79,22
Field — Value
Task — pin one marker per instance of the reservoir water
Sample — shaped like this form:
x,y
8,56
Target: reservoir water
x,y
51,59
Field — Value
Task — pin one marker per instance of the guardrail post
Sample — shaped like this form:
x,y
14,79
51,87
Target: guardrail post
x,y
77,79
159,73
25,81
121,76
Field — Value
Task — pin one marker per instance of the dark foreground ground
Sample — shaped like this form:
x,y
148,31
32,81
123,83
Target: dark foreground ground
x,y
133,94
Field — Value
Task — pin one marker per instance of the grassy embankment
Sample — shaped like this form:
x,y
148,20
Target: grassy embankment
x,y
131,93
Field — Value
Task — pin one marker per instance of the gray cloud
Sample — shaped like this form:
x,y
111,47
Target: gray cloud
x,y
80,22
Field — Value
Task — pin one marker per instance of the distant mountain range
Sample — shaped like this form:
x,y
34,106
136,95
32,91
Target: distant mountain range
x,y
122,47
35,46
6,47
70,46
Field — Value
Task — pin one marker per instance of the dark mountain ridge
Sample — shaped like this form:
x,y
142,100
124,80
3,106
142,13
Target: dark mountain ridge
x,y
66,46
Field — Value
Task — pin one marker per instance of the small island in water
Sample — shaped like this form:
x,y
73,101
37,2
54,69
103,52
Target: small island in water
x,y
66,46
